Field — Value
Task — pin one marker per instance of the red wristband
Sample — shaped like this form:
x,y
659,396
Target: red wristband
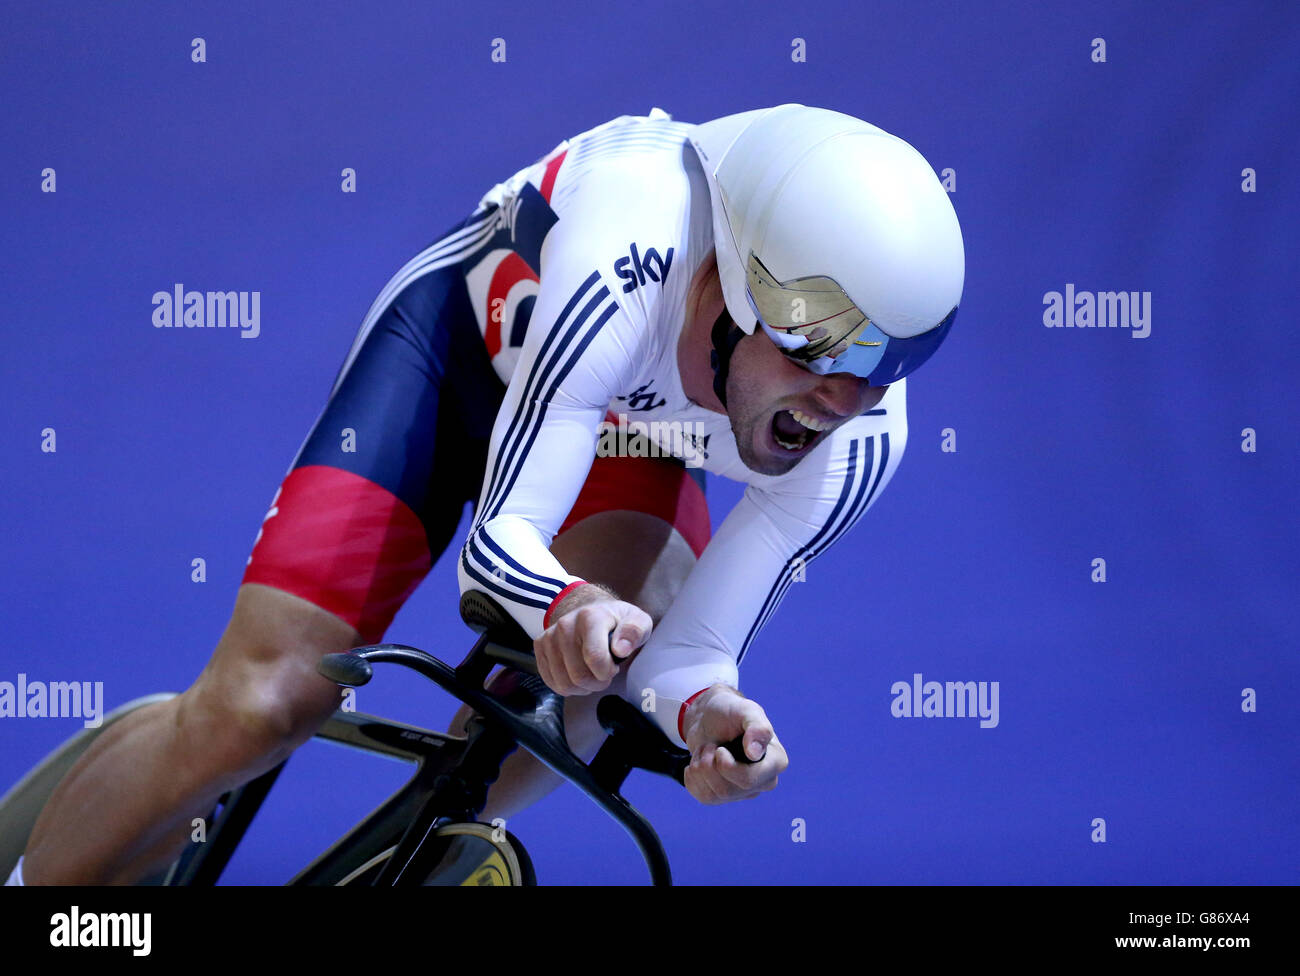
x,y
681,712
546,618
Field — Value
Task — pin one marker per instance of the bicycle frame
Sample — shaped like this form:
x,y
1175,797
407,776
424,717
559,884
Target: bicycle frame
x,y
531,718
430,752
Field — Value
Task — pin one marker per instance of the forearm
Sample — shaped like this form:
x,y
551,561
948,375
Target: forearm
x,y
507,558
576,596
663,679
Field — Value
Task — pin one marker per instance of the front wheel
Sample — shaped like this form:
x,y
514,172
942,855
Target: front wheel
x,y
479,855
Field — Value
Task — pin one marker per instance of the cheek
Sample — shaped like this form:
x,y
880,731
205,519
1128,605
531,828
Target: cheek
x,y
761,375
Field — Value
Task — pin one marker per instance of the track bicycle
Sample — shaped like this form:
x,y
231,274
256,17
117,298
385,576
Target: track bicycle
x,y
404,841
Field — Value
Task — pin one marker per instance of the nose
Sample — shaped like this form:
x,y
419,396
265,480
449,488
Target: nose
x,y
842,394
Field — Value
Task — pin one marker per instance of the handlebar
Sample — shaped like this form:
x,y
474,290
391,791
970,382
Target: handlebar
x,y
512,645
533,715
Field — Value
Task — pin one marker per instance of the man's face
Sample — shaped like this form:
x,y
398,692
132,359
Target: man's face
x,y
780,411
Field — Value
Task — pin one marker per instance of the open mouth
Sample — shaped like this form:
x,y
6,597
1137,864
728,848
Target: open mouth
x,y
795,431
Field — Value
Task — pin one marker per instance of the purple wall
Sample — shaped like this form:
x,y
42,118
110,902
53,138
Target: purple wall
x,y
1119,700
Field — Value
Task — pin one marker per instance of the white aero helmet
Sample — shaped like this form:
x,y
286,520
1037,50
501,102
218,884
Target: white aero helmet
x,y
835,236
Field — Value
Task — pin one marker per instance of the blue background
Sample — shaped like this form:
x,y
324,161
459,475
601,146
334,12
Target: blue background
x,y
1119,700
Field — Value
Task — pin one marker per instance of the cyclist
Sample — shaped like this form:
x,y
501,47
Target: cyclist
x,y
756,288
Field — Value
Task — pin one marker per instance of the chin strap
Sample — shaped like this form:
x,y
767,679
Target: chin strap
x,y
725,335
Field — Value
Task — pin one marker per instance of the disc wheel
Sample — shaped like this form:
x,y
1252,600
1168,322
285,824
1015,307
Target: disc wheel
x,y
486,856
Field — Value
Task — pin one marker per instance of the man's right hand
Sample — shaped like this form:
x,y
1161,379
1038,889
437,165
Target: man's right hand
x,y
714,776
574,652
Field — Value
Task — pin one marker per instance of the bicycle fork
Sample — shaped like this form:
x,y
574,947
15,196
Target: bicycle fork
x,y
457,797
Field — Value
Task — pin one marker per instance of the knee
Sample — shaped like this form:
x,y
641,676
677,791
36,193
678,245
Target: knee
x,y
254,723
582,726
640,557
260,696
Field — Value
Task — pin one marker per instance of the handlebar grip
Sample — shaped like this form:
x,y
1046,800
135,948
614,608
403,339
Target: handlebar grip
x,y
610,637
736,746
737,749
